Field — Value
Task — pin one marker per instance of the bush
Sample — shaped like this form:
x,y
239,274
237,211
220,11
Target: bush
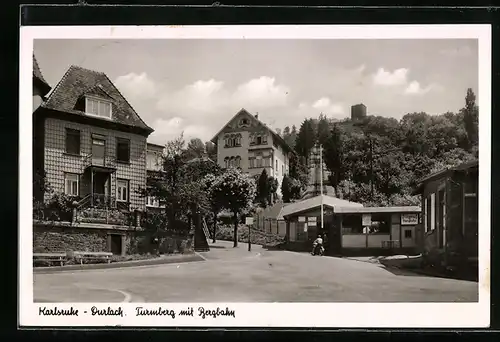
x,y
60,207
257,237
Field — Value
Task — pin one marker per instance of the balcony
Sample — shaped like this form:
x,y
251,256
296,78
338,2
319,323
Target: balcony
x,y
99,163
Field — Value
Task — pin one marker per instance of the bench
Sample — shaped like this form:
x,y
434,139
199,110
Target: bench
x,y
81,256
50,257
390,244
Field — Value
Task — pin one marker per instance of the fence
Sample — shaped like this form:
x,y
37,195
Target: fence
x,y
270,226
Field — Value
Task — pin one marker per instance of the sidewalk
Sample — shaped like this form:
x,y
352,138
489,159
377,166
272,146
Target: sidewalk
x,y
165,259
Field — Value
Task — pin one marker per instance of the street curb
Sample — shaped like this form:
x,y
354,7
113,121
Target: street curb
x,y
122,264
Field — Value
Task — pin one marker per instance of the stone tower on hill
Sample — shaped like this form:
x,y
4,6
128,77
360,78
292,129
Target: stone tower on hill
x,y
358,112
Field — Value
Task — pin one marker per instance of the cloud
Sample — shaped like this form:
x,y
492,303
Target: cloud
x,y
135,85
387,78
327,107
398,79
414,88
201,108
461,51
262,91
313,109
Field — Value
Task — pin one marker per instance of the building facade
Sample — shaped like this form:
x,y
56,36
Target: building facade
x,y
247,143
91,143
450,215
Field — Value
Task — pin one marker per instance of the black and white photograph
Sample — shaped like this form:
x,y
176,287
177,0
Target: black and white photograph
x,y
194,173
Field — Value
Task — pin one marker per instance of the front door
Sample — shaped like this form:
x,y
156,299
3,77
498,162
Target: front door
x,y
101,186
116,244
98,151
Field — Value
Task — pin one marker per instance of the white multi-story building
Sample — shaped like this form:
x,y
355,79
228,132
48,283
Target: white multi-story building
x,y
247,143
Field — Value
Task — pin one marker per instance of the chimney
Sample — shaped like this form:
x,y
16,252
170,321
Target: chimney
x,y
257,115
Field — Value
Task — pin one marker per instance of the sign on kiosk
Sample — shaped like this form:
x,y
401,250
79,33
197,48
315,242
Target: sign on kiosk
x,y
409,219
366,220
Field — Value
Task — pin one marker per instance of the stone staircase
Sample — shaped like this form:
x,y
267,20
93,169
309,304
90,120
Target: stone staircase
x,y
201,235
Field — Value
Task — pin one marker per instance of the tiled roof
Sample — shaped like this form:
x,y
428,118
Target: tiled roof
x,y
77,82
37,73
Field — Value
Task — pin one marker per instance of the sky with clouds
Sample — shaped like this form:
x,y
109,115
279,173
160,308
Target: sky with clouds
x,y
196,86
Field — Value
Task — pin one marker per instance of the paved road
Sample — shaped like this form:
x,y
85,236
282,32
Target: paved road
x,y
236,275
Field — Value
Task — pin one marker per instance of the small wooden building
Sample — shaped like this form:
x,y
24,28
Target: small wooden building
x,y
350,228
450,215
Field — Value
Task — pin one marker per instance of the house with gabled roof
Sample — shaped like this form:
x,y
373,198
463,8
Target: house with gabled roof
x,y
90,142
247,143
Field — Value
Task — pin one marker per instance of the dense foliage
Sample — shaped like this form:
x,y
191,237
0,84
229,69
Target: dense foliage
x,y
390,154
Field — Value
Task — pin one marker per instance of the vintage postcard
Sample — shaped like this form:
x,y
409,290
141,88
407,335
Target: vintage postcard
x,y
255,176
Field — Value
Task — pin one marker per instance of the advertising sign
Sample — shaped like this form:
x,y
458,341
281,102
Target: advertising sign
x,y
249,221
409,219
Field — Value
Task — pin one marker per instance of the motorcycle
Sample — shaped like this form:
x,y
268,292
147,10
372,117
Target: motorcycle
x,y
318,250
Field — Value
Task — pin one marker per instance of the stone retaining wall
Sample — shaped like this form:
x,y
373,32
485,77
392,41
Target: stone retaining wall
x,y
56,241
48,239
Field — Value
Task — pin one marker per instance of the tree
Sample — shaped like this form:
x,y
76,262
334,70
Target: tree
x,y
323,130
41,185
272,184
471,118
333,154
211,150
298,170
290,136
306,139
234,191
178,186
290,188
263,189
195,149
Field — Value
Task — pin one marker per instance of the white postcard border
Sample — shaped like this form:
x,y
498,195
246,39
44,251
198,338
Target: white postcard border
x,y
411,315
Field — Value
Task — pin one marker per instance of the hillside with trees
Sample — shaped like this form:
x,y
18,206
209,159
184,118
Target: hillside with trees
x,y
378,160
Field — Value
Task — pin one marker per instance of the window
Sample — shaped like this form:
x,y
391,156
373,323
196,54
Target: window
x,y
352,224
258,161
152,202
98,107
426,215
283,170
71,184
276,165
72,141
232,140
122,190
432,211
123,150
408,234
237,162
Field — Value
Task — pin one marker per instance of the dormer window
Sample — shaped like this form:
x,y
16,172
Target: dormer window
x,y
98,107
